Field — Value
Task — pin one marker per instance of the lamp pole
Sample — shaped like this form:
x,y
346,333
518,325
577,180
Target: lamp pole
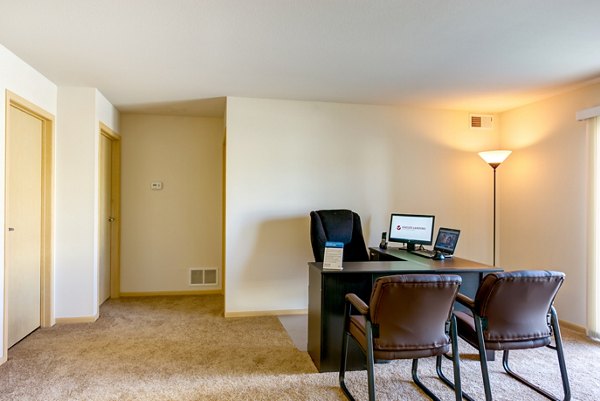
x,y
494,158
494,246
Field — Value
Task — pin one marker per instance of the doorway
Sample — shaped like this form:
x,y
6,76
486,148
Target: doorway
x,y
28,213
109,222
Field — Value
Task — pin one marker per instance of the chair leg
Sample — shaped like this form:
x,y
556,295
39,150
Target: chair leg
x,y
455,359
561,363
370,361
343,367
415,376
344,357
456,386
448,382
440,373
456,364
483,358
344,353
561,355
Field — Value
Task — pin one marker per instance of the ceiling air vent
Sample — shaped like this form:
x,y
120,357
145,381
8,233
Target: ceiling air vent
x,y
482,121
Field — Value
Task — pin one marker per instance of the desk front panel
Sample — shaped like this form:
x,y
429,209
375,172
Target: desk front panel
x,y
337,286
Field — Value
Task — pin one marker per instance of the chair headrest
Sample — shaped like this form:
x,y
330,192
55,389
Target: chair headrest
x,y
541,285
337,224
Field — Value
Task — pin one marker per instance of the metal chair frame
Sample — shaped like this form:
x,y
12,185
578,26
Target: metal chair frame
x,y
369,353
479,323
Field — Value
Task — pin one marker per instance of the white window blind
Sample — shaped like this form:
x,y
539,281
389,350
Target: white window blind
x,y
593,268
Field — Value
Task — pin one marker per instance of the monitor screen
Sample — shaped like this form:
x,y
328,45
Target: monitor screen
x,y
411,229
447,239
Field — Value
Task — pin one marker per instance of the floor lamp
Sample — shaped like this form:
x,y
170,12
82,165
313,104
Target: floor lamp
x,y
494,158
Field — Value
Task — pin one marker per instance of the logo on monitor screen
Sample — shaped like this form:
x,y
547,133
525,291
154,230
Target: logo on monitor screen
x,y
399,227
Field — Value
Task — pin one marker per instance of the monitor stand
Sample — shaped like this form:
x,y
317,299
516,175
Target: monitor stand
x,y
410,247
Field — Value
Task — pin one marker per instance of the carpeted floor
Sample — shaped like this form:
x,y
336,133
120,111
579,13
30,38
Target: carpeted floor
x,y
181,348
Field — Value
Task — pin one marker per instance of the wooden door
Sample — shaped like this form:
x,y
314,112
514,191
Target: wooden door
x,y
106,218
24,223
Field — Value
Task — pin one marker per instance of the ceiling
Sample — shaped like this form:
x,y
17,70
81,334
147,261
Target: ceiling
x,y
184,56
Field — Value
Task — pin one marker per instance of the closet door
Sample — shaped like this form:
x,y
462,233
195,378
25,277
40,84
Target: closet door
x,y
105,218
23,222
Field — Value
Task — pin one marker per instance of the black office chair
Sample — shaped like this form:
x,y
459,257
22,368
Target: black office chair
x,y
339,226
513,311
409,316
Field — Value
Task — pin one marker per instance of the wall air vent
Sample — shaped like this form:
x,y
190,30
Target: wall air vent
x,y
203,276
482,121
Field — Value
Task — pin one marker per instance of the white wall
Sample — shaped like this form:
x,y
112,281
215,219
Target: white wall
x,y
286,158
106,112
167,232
542,193
76,242
75,181
18,77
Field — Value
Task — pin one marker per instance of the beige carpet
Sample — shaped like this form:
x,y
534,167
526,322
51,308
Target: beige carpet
x,y
181,348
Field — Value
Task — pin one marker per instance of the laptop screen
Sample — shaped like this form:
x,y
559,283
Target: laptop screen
x,y
446,240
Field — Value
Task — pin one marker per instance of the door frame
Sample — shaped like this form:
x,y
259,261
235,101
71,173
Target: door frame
x,y
115,228
224,219
47,318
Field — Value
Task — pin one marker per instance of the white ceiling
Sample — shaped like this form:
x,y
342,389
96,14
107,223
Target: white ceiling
x,y
177,56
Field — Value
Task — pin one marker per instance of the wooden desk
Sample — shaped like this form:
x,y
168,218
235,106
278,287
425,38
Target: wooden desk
x,y
327,288
468,268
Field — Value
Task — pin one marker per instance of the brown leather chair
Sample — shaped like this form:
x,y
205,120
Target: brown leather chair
x,y
513,310
408,317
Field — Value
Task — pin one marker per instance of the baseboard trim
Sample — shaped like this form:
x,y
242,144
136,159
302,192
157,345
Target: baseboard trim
x,y
267,313
572,326
74,320
169,293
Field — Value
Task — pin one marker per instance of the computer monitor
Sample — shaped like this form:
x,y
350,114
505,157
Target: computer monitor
x,y
411,229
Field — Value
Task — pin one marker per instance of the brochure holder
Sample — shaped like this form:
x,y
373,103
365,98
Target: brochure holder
x,y
334,252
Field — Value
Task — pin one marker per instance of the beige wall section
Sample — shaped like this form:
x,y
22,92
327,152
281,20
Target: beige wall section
x,y
167,232
542,193
286,158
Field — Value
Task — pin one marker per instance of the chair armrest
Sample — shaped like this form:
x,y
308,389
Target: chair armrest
x,y
465,300
358,303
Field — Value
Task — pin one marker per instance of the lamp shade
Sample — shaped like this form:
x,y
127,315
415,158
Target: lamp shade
x,y
495,157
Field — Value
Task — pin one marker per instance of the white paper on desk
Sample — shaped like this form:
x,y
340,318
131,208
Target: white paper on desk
x,y
334,252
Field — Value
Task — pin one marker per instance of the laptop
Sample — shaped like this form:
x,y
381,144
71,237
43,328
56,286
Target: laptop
x,y
445,243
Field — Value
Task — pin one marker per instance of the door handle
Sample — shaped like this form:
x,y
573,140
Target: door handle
x,y
11,229
111,219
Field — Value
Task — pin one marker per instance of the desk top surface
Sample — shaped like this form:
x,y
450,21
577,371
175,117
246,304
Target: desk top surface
x,y
409,263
